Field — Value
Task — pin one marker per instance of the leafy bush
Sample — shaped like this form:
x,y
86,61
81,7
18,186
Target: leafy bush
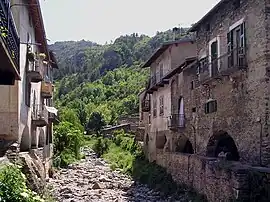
x,y
67,143
101,146
13,186
96,122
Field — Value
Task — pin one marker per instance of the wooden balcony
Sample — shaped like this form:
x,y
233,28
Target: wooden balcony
x,y
40,115
47,89
35,71
9,46
176,121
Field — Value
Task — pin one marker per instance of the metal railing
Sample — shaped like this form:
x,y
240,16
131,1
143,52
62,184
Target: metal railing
x,y
8,32
229,62
35,66
176,121
39,112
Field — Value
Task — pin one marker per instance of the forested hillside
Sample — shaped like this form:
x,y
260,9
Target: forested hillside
x,y
103,78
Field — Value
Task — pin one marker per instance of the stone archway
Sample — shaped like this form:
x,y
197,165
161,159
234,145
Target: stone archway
x,y
183,145
222,142
25,143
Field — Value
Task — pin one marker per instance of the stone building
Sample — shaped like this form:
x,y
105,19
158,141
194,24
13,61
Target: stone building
x,y
158,114
217,134
26,106
232,98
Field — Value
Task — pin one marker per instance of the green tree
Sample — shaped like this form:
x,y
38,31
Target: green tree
x,y
67,143
96,123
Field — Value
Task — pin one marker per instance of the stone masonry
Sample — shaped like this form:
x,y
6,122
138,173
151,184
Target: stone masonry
x,y
221,147
242,95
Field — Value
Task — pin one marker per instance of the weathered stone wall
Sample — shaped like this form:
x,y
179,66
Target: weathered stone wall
x,y
219,180
243,97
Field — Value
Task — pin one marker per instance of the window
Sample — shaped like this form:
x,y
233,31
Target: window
x,y
154,108
161,105
236,46
214,57
194,109
192,85
161,70
210,106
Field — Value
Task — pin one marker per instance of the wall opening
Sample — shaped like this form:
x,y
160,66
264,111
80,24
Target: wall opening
x,y
183,145
222,142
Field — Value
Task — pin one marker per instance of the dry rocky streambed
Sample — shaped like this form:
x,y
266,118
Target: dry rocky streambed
x,y
92,180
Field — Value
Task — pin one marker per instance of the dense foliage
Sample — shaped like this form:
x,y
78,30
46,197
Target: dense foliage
x,y
95,84
67,143
13,186
104,79
115,94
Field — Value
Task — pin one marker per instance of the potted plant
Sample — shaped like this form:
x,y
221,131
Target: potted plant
x,y
42,56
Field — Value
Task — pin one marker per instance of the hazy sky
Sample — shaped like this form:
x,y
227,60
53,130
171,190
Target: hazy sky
x,y
105,20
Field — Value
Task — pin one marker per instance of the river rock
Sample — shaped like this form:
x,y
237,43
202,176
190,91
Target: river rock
x,y
92,180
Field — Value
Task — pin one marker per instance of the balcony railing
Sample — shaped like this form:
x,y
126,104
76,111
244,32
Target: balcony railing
x,y
224,65
46,89
146,105
40,115
176,121
156,81
35,71
8,32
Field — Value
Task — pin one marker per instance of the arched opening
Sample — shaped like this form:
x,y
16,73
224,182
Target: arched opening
x,y
183,145
25,140
222,143
188,148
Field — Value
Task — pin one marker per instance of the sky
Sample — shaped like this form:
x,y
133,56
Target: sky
x,y
101,21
